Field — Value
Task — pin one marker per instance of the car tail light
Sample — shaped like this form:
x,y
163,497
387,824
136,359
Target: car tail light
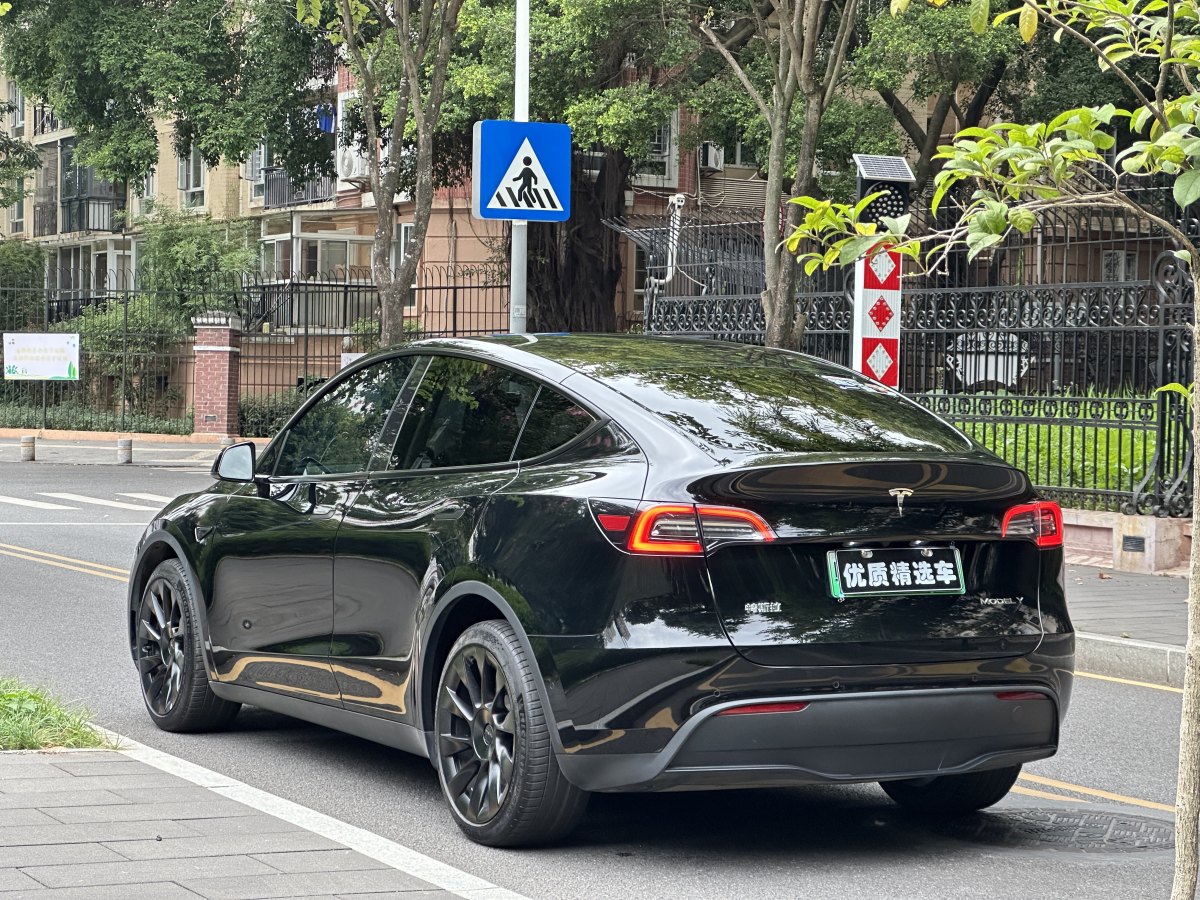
x,y
1041,520
1020,696
685,530
753,709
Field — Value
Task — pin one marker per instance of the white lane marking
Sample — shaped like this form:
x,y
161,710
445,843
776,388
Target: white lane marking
x,y
153,498
79,498
79,524
397,856
35,504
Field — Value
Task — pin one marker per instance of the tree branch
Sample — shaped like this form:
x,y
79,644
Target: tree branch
x,y
738,71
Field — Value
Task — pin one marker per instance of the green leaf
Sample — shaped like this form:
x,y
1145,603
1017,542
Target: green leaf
x,y
980,241
1183,255
978,15
1027,23
1023,220
852,249
1187,188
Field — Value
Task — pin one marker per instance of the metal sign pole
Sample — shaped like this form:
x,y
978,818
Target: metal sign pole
x,y
520,230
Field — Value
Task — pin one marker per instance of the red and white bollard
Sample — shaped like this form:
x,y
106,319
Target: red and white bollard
x,y
876,324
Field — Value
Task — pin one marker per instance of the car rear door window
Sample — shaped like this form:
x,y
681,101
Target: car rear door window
x,y
463,413
554,421
341,431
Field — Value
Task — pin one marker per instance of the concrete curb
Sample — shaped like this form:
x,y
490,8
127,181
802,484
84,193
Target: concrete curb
x,y
97,437
1124,658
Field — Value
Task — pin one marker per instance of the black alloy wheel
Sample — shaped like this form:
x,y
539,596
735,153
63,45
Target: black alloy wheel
x,y
170,658
494,756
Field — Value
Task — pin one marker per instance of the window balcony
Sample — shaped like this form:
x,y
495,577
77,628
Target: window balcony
x,y
88,214
45,218
282,191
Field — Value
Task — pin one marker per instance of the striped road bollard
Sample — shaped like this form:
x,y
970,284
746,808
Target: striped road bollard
x,y
124,451
28,448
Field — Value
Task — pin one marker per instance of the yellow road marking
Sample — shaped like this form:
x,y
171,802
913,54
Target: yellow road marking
x,y
69,559
1045,795
50,562
1145,684
1093,792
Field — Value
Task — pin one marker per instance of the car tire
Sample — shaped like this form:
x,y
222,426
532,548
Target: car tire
x,y
953,794
169,653
493,752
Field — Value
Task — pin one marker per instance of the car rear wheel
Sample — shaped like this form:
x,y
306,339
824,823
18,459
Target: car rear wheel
x,y
953,794
495,760
170,656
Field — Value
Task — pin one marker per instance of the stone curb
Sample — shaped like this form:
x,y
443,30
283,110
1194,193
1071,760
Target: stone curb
x,y
1125,658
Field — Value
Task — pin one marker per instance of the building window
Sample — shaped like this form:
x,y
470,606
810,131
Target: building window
x,y
404,232
660,167
16,213
257,161
1118,266
16,100
191,179
146,200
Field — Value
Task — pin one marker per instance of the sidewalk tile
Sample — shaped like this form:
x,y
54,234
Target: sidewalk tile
x,y
59,855
86,766
159,890
270,887
214,808
60,798
92,833
220,845
336,860
401,895
13,817
153,781
192,794
242,825
12,880
238,868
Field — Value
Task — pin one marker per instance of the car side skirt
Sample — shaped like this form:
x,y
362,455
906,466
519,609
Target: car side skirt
x,y
383,731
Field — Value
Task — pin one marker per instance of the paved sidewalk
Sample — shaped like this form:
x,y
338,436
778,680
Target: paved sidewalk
x,y
146,452
100,824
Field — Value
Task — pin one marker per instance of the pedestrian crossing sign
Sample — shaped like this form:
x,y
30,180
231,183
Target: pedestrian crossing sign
x,y
521,171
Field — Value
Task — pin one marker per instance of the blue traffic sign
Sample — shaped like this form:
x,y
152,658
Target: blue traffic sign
x,y
521,171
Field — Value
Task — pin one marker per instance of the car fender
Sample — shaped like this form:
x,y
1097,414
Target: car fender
x,y
158,535
544,670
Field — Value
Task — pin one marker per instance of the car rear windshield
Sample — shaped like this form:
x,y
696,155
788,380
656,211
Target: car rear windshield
x,y
785,409
735,398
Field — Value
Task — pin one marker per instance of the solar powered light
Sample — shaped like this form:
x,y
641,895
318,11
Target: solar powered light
x,y
889,174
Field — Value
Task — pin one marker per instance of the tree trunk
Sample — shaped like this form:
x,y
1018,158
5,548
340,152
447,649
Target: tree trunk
x,y
575,266
1187,792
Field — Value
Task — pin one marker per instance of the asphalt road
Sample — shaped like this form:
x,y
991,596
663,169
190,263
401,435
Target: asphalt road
x,y
1067,831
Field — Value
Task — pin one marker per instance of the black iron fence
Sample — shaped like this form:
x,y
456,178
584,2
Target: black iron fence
x,y
137,340
1060,380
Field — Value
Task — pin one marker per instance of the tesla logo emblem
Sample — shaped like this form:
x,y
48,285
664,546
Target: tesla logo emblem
x,y
900,494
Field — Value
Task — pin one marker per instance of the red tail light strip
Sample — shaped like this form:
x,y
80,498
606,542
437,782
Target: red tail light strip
x,y
753,709
1042,520
1018,696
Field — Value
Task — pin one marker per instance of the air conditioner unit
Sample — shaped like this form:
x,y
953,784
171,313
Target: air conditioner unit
x,y
352,165
712,157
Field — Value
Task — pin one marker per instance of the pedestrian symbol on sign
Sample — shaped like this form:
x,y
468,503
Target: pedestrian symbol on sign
x,y
525,185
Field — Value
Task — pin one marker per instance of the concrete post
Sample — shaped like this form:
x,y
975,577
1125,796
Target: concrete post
x,y
124,451
28,448
218,362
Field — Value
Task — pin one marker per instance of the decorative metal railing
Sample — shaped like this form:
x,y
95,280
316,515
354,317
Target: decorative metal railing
x,y
281,190
1058,379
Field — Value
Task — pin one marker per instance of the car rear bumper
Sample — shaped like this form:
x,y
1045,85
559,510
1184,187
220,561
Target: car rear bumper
x,y
845,738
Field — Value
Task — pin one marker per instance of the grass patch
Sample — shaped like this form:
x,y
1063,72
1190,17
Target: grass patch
x,y
32,719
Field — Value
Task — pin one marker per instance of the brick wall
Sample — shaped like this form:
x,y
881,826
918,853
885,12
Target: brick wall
x,y
218,358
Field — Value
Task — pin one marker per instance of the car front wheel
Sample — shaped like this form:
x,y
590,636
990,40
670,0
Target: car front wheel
x,y
953,794
170,656
495,760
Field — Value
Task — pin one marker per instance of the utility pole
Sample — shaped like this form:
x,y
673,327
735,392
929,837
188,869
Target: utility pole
x,y
518,261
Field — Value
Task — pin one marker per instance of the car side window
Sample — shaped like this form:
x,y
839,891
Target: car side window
x,y
554,421
339,433
463,413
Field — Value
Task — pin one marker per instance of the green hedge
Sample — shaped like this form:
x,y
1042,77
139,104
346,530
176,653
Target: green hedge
x,y
264,416
82,418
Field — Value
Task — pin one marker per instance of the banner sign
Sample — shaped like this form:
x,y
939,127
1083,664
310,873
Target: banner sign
x,y
41,357
876,325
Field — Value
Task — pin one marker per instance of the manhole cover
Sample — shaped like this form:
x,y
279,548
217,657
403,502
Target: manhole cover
x,y
1058,829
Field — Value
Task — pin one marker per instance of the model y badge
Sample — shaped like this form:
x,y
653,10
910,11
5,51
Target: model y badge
x,y
900,494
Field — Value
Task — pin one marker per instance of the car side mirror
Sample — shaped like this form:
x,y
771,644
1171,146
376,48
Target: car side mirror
x,y
235,463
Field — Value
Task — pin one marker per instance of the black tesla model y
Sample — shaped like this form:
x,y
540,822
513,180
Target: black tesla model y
x,y
562,564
